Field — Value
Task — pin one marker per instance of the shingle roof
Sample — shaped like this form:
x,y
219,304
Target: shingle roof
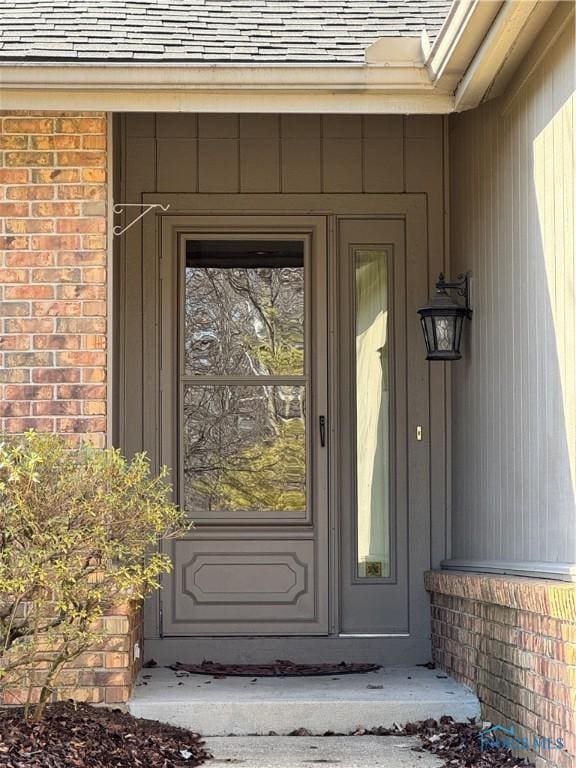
x,y
289,31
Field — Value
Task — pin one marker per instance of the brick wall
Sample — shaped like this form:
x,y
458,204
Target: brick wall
x,y
53,316
53,191
513,641
105,675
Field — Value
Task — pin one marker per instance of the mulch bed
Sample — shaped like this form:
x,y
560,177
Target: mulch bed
x,y
458,744
279,668
80,736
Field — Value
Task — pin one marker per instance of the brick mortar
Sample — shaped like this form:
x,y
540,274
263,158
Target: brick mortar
x,y
513,641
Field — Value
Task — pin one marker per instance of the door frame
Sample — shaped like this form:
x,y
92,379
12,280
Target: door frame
x,y
412,210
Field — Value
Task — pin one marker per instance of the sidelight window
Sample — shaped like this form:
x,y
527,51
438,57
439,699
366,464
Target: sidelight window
x,y
372,412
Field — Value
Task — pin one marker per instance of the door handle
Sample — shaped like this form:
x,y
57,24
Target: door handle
x,y
322,423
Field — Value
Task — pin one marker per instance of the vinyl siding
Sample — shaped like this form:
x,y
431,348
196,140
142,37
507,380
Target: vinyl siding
x,y
514,394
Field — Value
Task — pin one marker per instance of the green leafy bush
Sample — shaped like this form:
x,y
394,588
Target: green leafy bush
x,y
79,534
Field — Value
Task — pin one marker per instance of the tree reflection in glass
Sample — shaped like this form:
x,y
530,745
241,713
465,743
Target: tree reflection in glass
x,y
244,441
244,321
244,448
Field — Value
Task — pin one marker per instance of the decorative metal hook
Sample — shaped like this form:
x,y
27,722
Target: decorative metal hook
x,y
121,207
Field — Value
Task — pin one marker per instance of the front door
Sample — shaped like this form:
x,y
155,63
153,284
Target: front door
x,y
294,396
246,300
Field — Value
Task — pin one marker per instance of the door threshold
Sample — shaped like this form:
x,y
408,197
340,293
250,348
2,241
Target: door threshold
x,y
369,634
389,650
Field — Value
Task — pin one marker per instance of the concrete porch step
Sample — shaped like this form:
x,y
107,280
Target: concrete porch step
x,y
308,752
257,706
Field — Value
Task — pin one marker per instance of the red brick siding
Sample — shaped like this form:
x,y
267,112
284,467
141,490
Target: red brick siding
x,y
53,198
106,674
53,321
513,641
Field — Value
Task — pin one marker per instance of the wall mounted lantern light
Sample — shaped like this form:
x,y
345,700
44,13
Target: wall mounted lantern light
x,y
442,319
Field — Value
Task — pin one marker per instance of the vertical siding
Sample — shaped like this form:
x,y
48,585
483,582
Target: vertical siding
x,y
514,394
279,153
318,154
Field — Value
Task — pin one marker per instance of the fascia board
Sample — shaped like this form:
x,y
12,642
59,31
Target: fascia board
x,y
380,88
212,77
245,101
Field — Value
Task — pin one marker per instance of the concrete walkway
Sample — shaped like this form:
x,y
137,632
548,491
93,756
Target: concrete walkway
x,y
257,706
305,752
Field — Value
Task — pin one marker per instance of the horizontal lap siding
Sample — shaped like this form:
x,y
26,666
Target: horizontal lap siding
x,y
514,394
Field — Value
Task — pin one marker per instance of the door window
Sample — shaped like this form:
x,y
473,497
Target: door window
x,y
243,383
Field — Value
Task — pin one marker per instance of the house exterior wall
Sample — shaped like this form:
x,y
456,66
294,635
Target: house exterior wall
x,y
275,154
514,393
312,156
513,638
53,317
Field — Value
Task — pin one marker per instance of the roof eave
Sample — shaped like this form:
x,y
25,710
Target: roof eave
x,y
478,48
377,87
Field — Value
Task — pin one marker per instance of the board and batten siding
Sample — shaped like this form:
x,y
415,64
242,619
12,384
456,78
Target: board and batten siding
x,y
274,154
514,392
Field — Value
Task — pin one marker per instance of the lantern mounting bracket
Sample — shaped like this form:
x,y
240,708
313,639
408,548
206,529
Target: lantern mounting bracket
x,y
461,285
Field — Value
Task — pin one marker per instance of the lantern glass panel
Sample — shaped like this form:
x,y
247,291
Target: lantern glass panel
x,y
429,332
459,321
445,332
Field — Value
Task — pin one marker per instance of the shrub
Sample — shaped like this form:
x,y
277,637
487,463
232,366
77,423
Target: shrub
x,y
79,534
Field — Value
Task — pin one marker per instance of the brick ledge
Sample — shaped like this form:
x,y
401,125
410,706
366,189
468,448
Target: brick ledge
x,y
546,597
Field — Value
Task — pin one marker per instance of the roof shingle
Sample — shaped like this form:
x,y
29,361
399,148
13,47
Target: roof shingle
x,y
211,31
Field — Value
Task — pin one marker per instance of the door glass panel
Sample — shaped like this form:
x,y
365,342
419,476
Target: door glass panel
x,y
244,448
244,308
243,382
372,413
